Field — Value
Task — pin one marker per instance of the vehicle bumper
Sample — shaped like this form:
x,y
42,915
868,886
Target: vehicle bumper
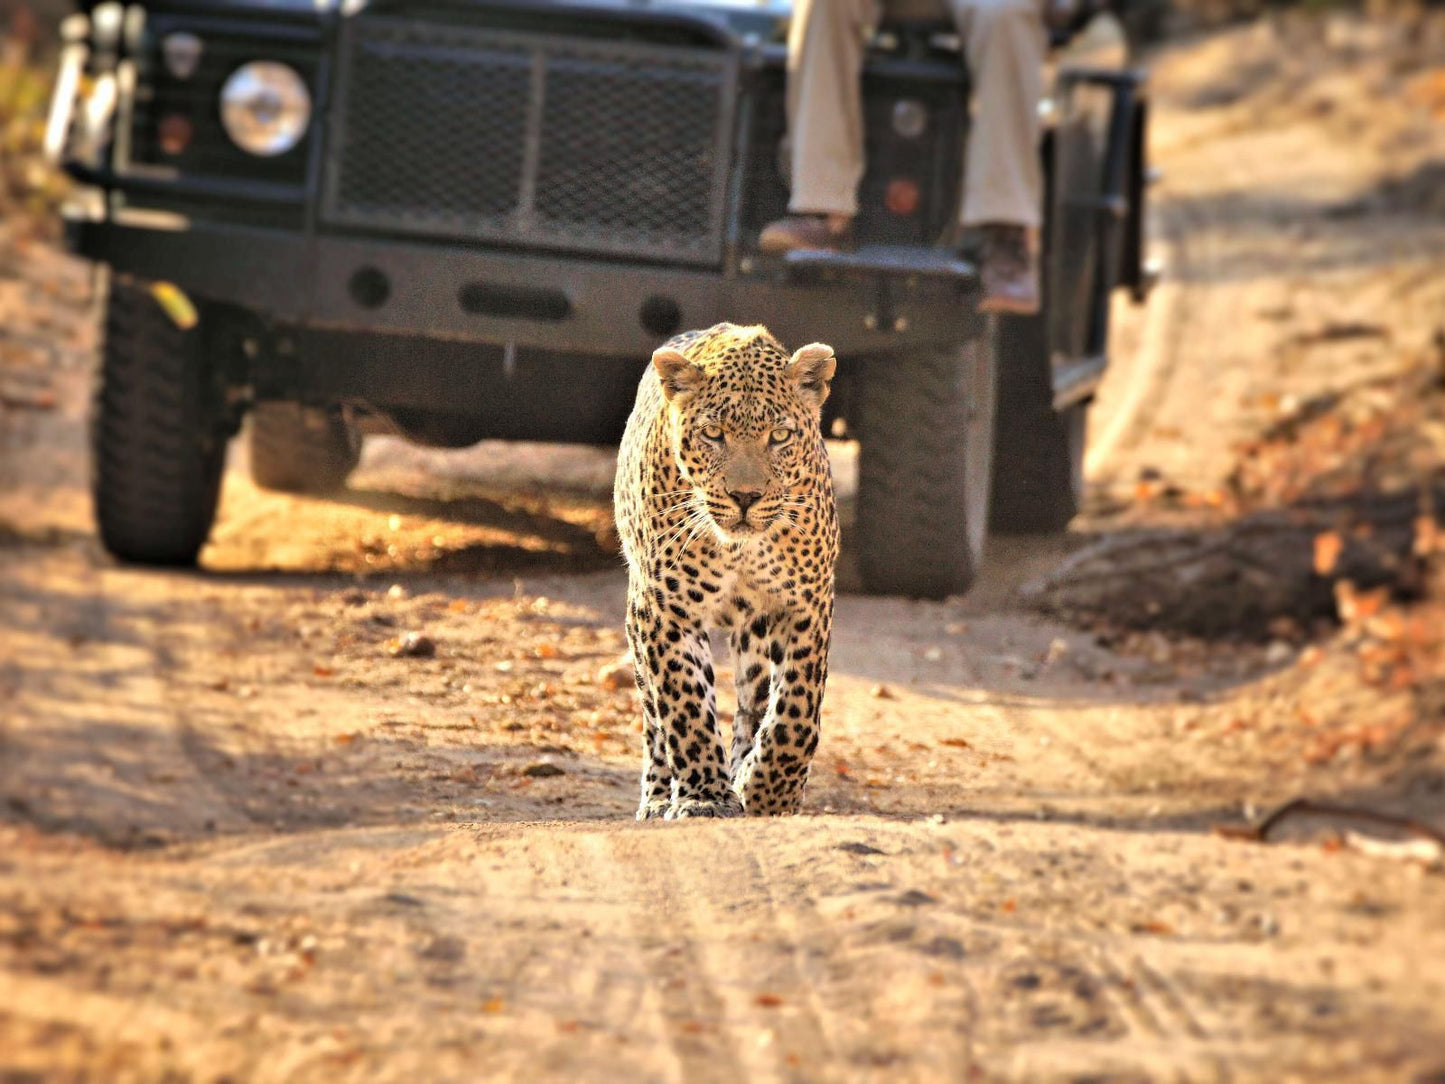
x,y
545,302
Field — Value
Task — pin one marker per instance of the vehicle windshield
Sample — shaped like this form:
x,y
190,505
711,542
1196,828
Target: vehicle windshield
x,y
771,7
766,18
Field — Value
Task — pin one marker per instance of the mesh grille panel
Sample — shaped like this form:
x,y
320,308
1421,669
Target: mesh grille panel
x,y
625,150
552,142
434,136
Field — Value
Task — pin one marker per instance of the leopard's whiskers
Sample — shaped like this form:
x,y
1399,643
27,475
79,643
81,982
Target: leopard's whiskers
x,y
696,515
676,502
695,526
676,531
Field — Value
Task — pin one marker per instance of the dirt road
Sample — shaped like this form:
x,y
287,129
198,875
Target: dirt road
x,y
241,840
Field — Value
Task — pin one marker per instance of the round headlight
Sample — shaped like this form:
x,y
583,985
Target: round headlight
x,y
910,118
265,108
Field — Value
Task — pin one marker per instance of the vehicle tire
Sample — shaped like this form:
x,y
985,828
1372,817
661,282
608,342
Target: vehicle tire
x,y
1146,23
926,425
1038,478
298,449
433,429
158,439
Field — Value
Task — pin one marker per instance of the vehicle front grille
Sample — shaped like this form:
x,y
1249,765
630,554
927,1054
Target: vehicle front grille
x,y
582,144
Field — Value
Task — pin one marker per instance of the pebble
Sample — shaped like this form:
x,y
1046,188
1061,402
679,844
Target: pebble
x,y
616,676
1278,653
411,645
543,769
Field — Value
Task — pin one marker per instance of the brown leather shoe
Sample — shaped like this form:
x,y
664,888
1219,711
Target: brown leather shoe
x,y
1008,270
814,232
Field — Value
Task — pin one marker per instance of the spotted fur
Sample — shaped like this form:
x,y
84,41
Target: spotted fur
x,y
725,508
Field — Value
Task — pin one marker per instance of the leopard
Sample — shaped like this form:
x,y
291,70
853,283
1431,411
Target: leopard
x,y
725,509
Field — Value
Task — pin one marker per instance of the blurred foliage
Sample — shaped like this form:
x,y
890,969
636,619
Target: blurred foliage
x,y
1203,13
30,188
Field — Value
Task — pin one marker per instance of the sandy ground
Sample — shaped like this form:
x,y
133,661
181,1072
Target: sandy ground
x,y
241,841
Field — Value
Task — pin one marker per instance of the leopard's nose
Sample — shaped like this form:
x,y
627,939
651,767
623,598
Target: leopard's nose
x,y
745,498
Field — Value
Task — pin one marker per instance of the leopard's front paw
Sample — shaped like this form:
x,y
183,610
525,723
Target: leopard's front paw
x,y
653,809
731,806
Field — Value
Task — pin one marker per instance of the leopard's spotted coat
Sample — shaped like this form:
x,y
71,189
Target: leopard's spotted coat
x,y
725,508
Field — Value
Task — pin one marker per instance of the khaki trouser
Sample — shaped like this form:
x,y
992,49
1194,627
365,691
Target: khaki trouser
x,y
1005,45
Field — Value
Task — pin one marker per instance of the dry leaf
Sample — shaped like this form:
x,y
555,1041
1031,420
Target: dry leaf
x,y
1328,546
1357,606
1428,537
1153,926
1428,91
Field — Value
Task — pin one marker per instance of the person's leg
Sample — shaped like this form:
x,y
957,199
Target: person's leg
x,y
825,108
1005,43
825,121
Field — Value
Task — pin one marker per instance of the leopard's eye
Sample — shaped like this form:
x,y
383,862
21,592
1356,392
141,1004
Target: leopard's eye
x,y
712,432
780,436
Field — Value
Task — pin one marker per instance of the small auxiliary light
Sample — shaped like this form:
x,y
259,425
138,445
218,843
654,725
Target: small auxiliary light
x,y
901,196
182,53
174,134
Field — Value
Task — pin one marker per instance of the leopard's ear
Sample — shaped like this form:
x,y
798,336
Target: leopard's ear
x,y
811,368
678,375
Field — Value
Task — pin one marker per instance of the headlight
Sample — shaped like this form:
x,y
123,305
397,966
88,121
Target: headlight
x,y
265,108
910,118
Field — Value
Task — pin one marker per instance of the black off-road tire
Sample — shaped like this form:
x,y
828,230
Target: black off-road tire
x,y
158,440
1038,478
298,449
925,466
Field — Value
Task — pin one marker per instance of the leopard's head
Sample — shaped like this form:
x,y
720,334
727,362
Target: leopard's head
x,y
745,429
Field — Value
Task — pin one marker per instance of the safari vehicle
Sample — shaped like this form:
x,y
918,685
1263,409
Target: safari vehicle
x,y
468,219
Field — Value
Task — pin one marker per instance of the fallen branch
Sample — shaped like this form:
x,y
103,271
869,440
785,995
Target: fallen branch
x,y
1259,833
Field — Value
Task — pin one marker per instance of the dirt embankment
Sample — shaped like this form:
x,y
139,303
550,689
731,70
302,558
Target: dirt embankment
x,y
352,802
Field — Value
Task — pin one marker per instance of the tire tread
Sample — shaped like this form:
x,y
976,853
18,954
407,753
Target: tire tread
x,y
912,518
157,448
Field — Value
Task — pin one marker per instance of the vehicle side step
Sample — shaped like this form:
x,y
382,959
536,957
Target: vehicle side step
x,y
1076,379
872,261
1119,78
